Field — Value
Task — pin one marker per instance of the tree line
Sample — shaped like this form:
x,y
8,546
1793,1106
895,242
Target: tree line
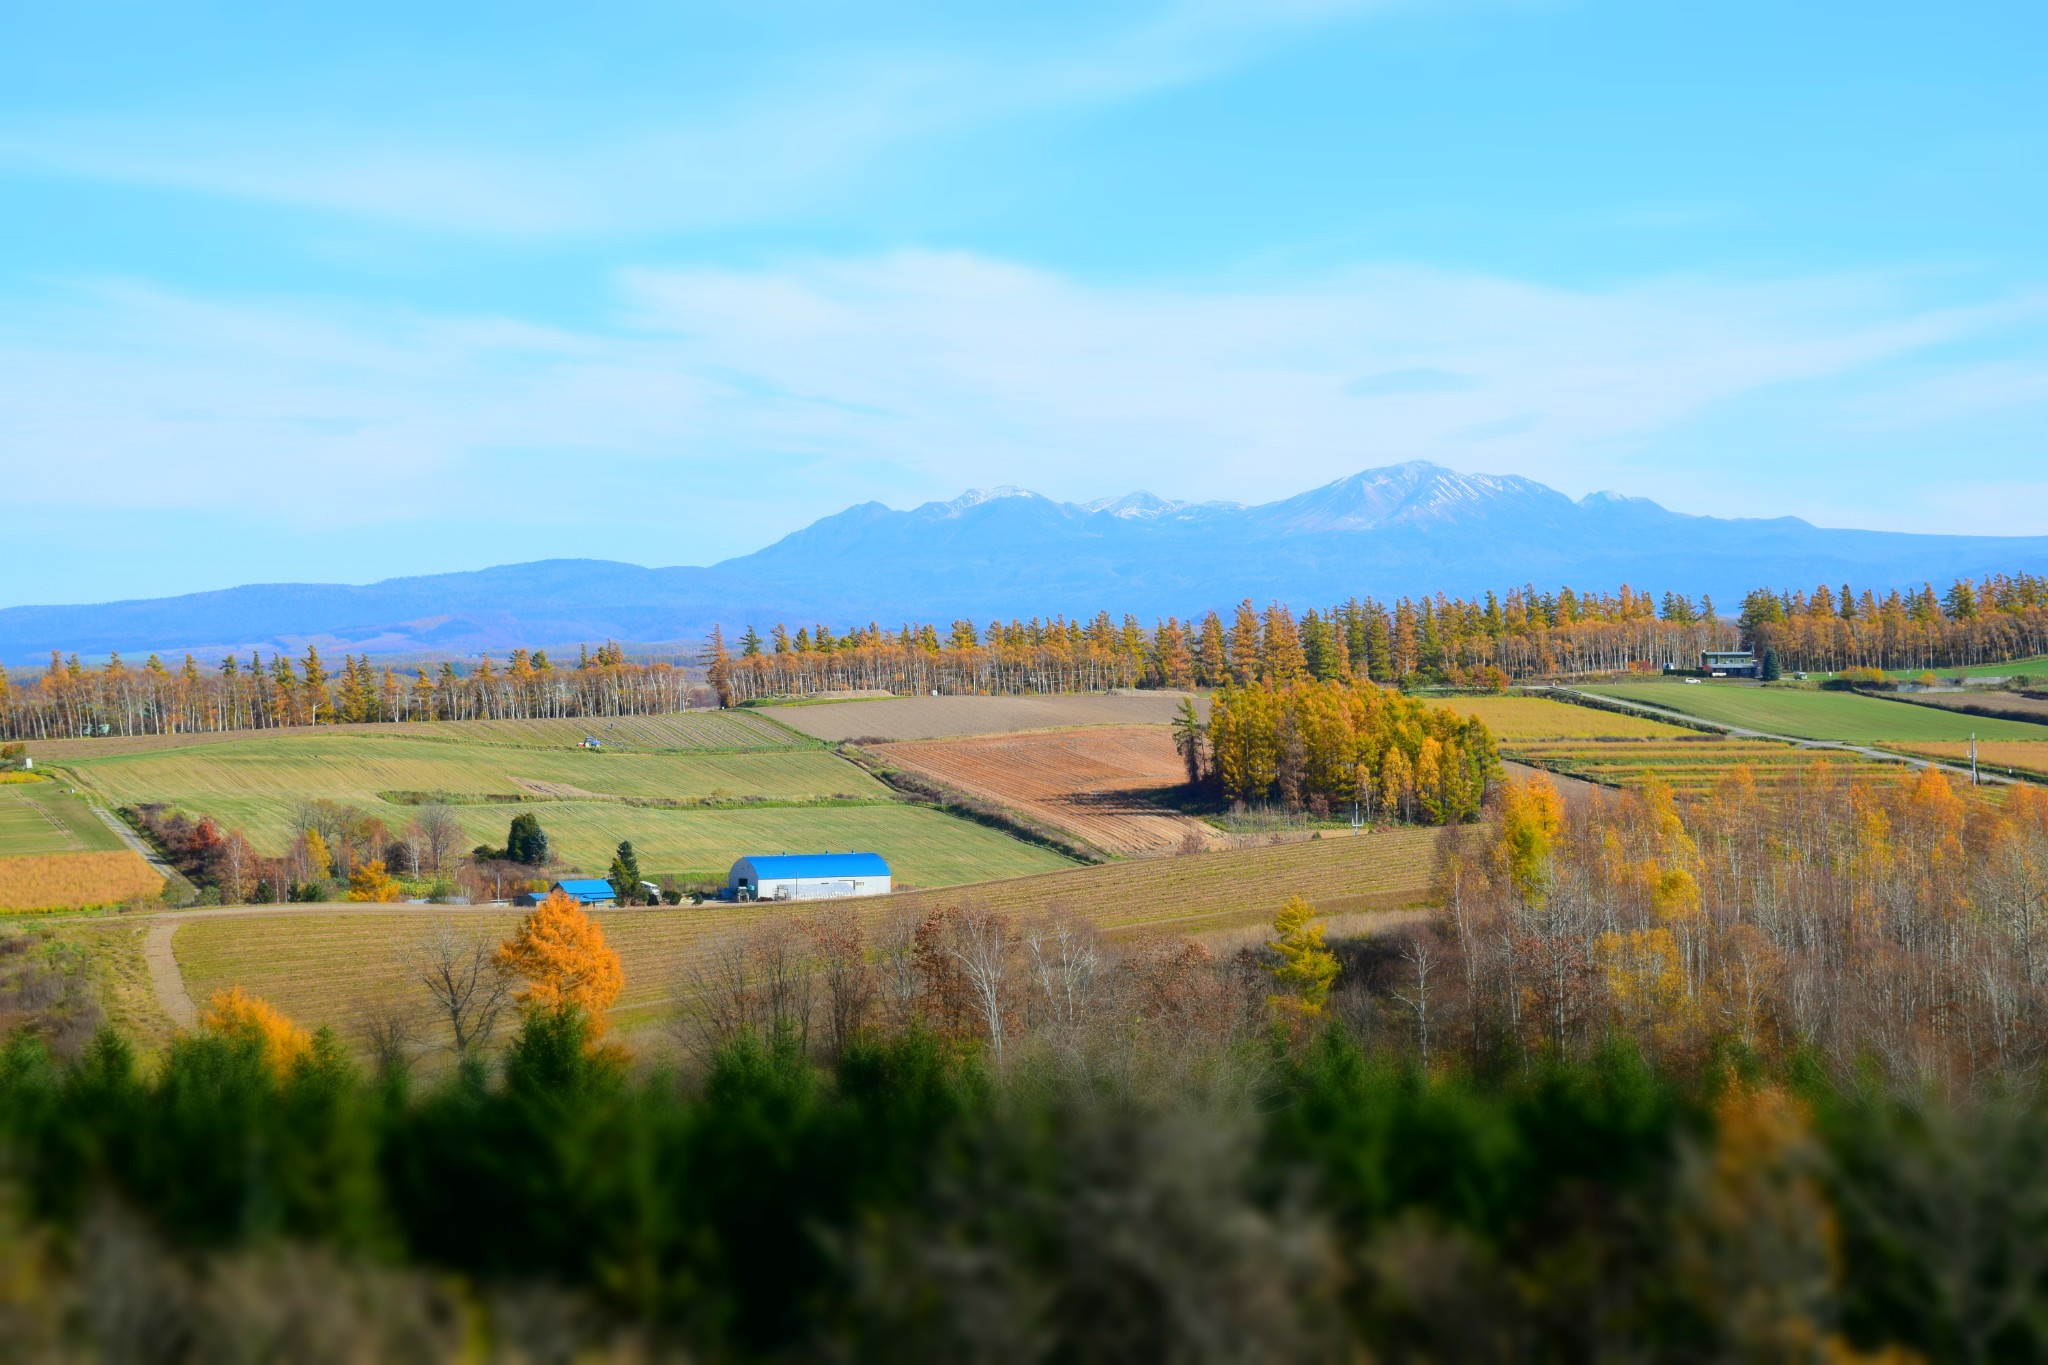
x,y
71,700
1434,640
1832,629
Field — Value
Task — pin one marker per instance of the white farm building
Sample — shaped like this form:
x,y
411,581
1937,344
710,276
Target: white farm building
x,y
807,877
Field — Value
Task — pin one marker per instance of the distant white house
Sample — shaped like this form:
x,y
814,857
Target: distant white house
x,y
1730,663
807,877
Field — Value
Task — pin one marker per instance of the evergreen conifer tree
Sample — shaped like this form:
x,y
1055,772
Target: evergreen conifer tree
x,y
625,873
526,842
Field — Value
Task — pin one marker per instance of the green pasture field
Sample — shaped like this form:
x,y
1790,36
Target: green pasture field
x,y
924,847
2036,667
41,818
361,768
588,802
1811,714
688,732
694,731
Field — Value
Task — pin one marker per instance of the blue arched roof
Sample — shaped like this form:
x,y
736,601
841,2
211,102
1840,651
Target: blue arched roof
x,y
806,866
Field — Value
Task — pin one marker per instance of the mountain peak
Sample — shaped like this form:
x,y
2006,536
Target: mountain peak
x,y
977,497
1413,493
1130,506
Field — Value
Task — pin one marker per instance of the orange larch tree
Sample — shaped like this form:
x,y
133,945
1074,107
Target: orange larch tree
x,y
561,954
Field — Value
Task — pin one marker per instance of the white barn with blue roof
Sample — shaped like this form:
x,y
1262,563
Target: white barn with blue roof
x,y
807,877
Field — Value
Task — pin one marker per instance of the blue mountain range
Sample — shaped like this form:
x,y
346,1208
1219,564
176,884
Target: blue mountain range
x,y
1407,529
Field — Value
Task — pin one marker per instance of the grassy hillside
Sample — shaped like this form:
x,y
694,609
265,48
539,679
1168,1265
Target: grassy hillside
x,y
2034,667
586,801
1842,716
41,818
924,847
688,732
255,783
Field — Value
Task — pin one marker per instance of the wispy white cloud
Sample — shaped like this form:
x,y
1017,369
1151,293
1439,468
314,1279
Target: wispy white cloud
x,y
1231,393
773,396
800,136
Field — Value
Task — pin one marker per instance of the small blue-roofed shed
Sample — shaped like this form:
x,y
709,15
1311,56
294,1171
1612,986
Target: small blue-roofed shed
x,y
807,876
583,890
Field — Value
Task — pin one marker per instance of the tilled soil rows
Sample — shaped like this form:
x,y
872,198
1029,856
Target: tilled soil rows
x,y
1097,784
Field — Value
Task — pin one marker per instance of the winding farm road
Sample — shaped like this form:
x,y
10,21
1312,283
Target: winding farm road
x,y
1656,712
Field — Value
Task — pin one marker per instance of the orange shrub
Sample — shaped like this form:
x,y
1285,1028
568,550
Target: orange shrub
x,y
370,882
237,1014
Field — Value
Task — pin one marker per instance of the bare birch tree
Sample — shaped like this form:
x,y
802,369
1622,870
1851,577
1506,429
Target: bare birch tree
x,y
751,985
1066,963
1420,954
979,944
440,834
469,989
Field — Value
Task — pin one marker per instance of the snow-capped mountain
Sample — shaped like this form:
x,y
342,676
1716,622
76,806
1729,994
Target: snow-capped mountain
x,y
1406,529
1414,494
1128,507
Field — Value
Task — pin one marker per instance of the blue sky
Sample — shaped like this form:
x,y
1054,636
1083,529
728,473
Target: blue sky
x,y
382,290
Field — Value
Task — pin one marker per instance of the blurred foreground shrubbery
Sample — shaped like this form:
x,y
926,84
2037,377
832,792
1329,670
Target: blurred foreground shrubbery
x,y
1300,1198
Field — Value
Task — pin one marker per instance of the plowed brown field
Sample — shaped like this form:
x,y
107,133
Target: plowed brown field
x,y
1096,784
905,718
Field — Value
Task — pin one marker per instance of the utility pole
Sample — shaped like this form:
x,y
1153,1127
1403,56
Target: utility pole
x,y
1973,758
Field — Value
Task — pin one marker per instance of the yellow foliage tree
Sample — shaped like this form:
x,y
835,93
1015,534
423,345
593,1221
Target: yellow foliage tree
x,y
233,1013
1645,978
1531,819
1397,783
317,854
1307,969
561,954
370,883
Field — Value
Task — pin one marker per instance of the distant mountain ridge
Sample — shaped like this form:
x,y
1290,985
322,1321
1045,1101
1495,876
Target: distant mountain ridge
x,y
1402,530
